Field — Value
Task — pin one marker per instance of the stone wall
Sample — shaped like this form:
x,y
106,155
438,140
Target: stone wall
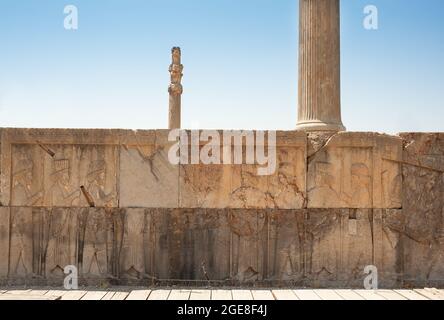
x,y
110,202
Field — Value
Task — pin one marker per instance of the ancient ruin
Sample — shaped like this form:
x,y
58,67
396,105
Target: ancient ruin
x,y
175,89
111,203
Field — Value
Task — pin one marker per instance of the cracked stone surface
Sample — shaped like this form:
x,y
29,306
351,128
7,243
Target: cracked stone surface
x,y
356,170
335,204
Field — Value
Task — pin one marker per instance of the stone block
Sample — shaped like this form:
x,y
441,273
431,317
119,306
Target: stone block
x,y
249,244
424,150
95,243
191,245
147,178
240,185
47,167
4,241
387,247
421,229
338,246
134,236
285,257
21,244
55,241
356,170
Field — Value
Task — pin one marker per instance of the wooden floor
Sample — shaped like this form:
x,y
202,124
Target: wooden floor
x,y
227,294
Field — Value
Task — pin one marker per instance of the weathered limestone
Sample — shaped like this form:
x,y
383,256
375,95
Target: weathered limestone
x,y
48,167
336,203
421,227
124,168
318,247
43,179
356,170
175,89
4,241
319,66
239,186
339,244
146,177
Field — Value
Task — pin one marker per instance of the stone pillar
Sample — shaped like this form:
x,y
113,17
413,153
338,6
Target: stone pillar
x,y
175,89
319,66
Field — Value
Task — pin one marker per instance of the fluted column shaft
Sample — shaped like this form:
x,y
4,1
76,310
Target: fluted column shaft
x,y
319,66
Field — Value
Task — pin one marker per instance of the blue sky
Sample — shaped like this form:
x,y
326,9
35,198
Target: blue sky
x,y
240,59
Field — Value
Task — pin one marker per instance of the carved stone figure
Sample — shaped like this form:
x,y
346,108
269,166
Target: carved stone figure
x,y
61,192
95,255
96,180
20,259
175,89
361,184
22,181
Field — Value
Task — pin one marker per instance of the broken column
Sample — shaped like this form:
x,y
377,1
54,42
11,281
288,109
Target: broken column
x,y
175,89
319,66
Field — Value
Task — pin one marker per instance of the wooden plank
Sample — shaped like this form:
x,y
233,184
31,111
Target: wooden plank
x,y
262,295
120,295
73,295
56,293
347,294
390,295
284,295
138,295
328,294
26,297
306,295
179,295
221,295
94,295
159,295
242,295
200,295
108,295
436,292
411,295
38,292
18,291
369,294
428,294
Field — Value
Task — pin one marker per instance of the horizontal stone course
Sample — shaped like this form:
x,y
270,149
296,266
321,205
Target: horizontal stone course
x,y
125,168
315,247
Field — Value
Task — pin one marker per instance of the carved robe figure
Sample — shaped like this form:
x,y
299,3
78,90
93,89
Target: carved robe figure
x,y
96,184
61,248
94,258
132,255
61,192
21,259
22,183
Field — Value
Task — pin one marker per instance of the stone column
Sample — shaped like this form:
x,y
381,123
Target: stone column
x,y
319,66
175,89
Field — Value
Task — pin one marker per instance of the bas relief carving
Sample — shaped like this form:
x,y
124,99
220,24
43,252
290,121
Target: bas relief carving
x,y
54,179
355,174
